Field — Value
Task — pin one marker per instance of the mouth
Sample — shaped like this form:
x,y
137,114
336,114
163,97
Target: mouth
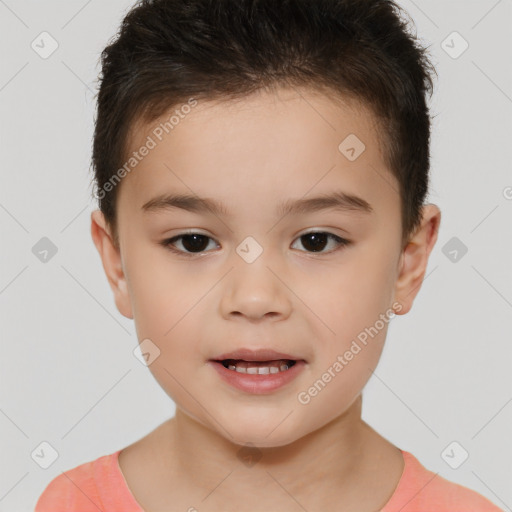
x,y
260,371
258,367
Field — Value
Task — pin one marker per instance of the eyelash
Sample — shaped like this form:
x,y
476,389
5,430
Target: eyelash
x,y
342,242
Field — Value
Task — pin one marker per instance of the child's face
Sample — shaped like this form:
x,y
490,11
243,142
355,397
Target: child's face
x,y
252,156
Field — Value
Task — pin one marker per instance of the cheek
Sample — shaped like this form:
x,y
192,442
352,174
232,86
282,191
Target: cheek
x,y
165,299
167,306
357,309
355,294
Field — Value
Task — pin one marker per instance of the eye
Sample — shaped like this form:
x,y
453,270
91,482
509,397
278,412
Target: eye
x,y
196,243
315,241
193,243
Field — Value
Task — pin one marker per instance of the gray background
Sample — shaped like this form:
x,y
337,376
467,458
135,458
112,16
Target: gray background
x,y
68,374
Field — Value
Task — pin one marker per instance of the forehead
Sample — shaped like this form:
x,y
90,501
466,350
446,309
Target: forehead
x,y
265,145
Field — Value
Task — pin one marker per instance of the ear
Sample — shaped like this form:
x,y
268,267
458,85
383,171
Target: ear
x,y
414,258
112,264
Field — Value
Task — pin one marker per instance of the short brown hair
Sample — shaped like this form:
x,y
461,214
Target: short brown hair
x,y
167,51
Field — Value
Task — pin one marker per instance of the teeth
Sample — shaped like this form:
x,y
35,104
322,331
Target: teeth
x,y
254,368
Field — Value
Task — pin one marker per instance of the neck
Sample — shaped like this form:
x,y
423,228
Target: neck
x,y
333,460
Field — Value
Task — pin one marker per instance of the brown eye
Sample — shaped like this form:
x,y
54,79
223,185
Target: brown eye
x,y
192,243
197,243
316,241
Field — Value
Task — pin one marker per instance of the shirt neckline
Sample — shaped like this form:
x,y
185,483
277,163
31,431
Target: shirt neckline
x,y
121,481
408,459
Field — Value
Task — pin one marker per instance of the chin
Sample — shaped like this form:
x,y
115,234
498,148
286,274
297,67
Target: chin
x,y
268,437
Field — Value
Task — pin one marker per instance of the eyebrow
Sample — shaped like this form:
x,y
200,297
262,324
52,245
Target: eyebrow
x,y
338,200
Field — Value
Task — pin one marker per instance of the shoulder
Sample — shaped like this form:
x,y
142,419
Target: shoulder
x,y
420,489
77,489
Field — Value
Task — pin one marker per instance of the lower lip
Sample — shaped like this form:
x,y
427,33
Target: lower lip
x,y
255,383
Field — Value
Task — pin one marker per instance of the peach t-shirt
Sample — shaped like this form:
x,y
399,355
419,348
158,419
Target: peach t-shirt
x,y
99,485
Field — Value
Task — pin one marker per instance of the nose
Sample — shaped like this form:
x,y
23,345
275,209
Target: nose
x,y
255,291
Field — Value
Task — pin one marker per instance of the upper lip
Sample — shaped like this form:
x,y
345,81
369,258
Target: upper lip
x,y
261,354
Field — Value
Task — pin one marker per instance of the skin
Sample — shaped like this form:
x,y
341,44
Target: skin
x,y
250,155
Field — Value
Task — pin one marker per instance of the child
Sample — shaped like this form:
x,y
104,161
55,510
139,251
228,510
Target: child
x,y
291,138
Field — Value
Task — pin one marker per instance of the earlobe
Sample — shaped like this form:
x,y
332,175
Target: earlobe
x,y
112,263
414,258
